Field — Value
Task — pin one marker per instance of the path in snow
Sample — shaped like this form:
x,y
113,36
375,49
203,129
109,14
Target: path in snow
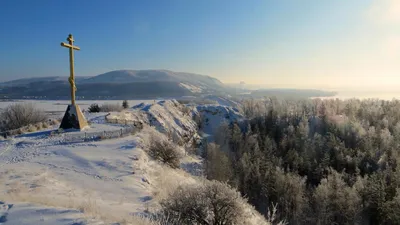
x,y
27,214
104,176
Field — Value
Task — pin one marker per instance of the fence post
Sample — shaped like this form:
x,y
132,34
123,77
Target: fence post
x,y
126,122
85,136
104,134
121,132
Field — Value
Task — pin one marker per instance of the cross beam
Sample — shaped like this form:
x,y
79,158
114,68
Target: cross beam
x,y
70,46
71,78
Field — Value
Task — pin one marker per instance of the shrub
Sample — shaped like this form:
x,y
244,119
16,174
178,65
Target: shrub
x,y
94,108
20,115
125,104
164,151
107,107
212,203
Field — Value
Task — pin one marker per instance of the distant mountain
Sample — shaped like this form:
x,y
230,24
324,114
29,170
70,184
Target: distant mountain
x,y
140,84
116,84
27,81
135,76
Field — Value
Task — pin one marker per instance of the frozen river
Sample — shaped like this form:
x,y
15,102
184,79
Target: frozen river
x,y
58,107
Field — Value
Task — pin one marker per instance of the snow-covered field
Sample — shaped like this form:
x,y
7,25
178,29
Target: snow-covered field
x,y
103,182
61,105
44,180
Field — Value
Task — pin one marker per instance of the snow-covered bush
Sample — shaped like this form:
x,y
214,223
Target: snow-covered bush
x,y
20,115
107,107
164,151
209,203
94,108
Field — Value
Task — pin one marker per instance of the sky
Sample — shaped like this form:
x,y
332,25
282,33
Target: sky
x,y
275,43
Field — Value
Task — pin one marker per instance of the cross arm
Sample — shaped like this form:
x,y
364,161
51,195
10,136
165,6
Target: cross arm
x,y
70,46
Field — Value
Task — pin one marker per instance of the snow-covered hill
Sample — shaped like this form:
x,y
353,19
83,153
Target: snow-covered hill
x,y
105,181
28,81
212,116
118,84
169,117
178,121
132,76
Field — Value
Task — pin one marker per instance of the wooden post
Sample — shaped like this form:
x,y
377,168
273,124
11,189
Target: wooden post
x,y
121,132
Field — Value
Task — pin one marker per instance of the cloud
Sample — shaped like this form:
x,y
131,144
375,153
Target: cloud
x,y
384,11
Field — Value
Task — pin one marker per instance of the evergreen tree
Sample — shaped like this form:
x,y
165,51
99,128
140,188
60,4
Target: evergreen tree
x,y
125,104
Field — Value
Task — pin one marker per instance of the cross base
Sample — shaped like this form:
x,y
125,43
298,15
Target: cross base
x,y
73,118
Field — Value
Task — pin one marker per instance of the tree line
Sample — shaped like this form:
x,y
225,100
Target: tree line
x,y
318,161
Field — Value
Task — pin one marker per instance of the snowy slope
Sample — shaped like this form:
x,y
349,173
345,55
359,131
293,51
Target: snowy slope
x,y
94,177
214,115
28,214
171,117
168,117
191,88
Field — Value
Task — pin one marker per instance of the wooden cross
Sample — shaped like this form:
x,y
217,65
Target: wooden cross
x,y
71,78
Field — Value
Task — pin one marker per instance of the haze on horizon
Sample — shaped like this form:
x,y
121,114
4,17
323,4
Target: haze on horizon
x,y
294,44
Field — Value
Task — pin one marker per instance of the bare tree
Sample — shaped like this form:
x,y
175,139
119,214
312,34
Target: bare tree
x,y
21,114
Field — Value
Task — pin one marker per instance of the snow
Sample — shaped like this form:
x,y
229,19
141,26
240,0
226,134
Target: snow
x,y
191,88
61,105
27,214
166,116
215,115
100,177
51,181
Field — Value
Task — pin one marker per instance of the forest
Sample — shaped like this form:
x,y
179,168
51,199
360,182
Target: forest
x,y
317,161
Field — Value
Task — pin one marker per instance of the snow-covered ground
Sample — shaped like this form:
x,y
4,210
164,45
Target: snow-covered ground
x,y
109,180
214,115
44,180
167,117
61,105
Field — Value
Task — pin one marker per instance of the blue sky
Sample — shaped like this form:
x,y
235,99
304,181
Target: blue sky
x,y
291,43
